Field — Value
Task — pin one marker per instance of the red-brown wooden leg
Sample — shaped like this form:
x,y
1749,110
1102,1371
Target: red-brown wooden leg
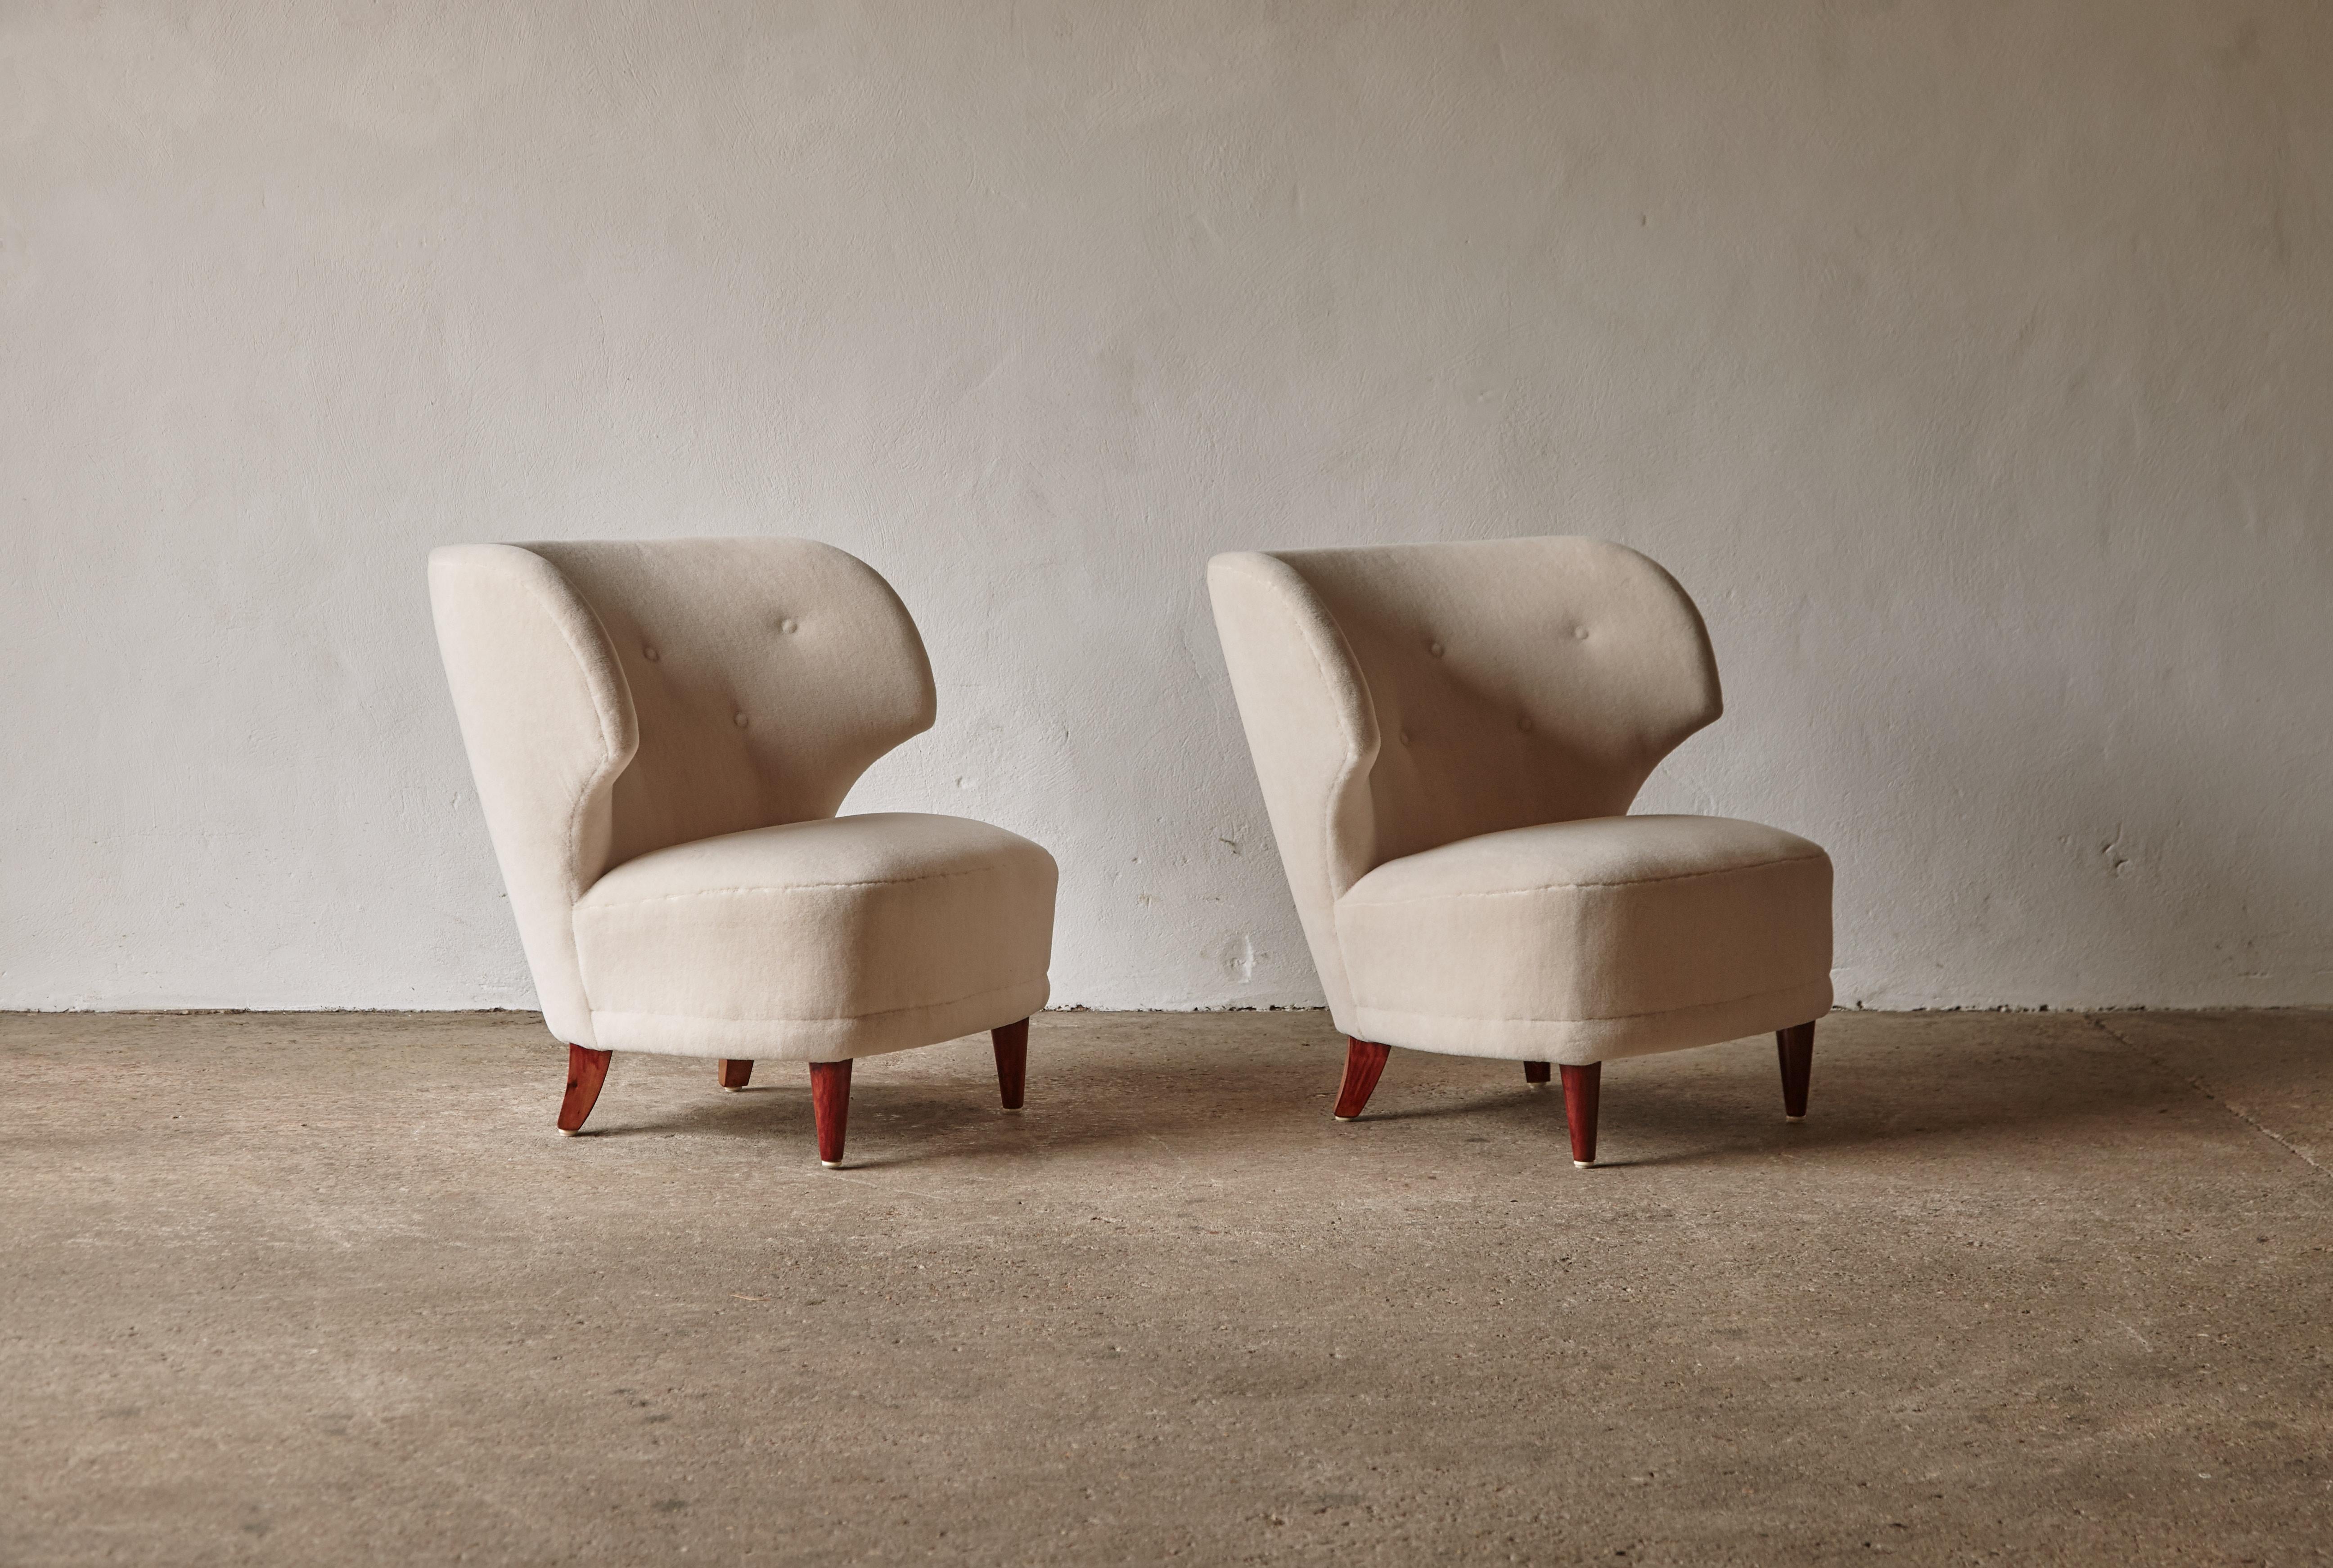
x,y
830,1103
1581,1087
1364,1060
1534,1072
586,1071
734,1072
1011,1062
1796,1046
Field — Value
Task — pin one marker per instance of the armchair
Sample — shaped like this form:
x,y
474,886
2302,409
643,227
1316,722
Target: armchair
x,y
662,733
1448,736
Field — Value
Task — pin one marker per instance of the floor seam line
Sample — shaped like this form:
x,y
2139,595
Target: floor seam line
x,y
2205,1089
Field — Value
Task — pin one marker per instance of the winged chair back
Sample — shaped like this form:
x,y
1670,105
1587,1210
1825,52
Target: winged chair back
x,y
1402,697
621,697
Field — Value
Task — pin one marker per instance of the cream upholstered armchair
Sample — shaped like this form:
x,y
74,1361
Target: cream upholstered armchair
x,y
1448,736
662,733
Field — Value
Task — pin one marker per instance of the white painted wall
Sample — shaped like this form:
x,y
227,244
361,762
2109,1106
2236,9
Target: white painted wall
x,y
1972,363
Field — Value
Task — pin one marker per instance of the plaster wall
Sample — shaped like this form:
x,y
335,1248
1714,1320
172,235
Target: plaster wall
x,y
1970,363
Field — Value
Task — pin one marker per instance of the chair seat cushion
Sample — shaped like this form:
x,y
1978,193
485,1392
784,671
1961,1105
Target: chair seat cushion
x,y
817,941
1578,942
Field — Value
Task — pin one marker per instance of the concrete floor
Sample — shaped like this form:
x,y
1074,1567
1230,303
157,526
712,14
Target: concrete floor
x,y
308,1288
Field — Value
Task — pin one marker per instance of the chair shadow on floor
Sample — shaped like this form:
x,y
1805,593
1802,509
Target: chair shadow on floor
x,y
1672,1111
918,1117
1714,1106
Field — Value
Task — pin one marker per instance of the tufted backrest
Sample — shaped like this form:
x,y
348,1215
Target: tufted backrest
x,y
619,697
1401,697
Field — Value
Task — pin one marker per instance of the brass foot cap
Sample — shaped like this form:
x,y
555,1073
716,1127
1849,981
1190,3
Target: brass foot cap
x,y
1349,1118
568,1131
1795,1118
1581,1165
831,1164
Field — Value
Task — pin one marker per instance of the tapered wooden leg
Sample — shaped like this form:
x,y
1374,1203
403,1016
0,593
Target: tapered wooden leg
x,y
1011,1062
586,1069
1534,1072
734,1074
1581,1087
1796,1046
830,1103
1364,1060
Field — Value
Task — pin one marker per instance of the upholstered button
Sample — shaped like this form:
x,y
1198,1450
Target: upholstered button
x,y
1405,737
651,655
1434,649
1581,632
741,721
1524,724
789,627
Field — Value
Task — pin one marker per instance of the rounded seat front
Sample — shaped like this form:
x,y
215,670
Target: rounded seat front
x,y
843,936
1578,941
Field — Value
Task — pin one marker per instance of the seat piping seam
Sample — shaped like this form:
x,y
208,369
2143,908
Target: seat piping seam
x,y
820,1018
587,902
1348,901
1601,1019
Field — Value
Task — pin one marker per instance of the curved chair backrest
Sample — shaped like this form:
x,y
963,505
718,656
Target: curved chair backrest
x,y
1402,697
619,697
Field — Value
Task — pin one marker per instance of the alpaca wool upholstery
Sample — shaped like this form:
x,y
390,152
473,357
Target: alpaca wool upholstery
x,y
1448,736
662,733
855,934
